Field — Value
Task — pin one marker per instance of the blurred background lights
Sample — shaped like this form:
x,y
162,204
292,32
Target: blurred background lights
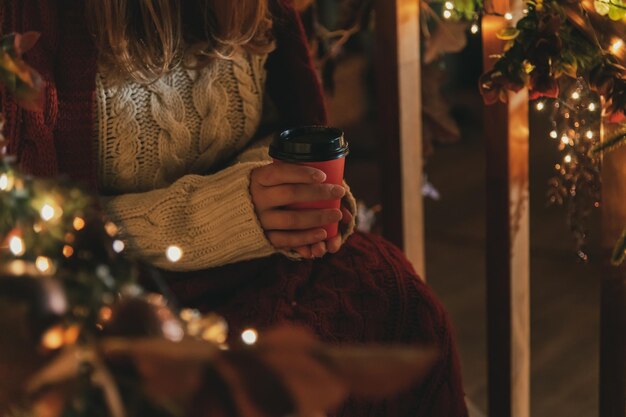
x,y
16,246
47,212
174,253
249,336
118,246
43,264
78,223
4,182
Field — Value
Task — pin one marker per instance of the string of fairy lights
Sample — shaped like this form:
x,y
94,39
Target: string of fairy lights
x,y
575,127
42,227
50,219
575,115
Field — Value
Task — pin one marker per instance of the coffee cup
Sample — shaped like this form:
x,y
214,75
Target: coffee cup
x,y
324,148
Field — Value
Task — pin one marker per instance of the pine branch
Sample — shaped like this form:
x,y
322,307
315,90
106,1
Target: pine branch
x,y
610,144
619,253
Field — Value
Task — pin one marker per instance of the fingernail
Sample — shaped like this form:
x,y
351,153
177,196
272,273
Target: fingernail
x,y
338,191
337,215
319,176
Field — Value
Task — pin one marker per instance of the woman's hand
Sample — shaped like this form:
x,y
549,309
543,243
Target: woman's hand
x,y
275,186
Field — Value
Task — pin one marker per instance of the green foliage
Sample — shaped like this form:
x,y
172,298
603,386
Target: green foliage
x,y
59,224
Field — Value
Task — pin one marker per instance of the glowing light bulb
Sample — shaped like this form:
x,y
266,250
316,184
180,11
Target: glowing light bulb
x,y
4,182
554,134
567,159
43,264
106,313
68,251
16,246
111,229
447,14
78,223
592,107
474,28
565,139
575,95
508,16
174,253
118,246
616,46
53,338
540,105
449,5
47,212
249,336
589,134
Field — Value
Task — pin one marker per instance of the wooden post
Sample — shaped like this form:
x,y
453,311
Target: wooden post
x,y
508,249
613,295
400,121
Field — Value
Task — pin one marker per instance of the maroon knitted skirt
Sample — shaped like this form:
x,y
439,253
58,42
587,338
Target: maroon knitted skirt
x,y
368,292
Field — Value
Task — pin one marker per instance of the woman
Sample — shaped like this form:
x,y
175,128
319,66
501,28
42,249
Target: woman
x,y
165,106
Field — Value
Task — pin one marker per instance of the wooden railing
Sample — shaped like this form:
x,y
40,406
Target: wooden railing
x,y
508,272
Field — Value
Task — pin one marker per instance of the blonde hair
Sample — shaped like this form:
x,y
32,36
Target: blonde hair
x,y
144,39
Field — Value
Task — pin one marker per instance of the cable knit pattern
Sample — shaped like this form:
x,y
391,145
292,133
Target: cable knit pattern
x,y
186,122
119,124
158,141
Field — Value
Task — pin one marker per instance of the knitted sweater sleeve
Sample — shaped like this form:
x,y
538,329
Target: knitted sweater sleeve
x,y
210,217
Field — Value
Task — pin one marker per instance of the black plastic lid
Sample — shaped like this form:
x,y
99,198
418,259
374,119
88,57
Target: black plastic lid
x,y
309,144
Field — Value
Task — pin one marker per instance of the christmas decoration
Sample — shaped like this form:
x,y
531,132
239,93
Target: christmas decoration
x,y
576,131
554,45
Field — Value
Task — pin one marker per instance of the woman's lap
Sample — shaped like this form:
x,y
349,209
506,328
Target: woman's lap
x,y
368,292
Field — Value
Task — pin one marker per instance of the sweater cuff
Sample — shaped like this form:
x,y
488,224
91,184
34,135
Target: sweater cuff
x,y
210,218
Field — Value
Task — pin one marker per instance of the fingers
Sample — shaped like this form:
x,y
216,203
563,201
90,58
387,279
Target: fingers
x,y
298,219
318,249
283,195
347,216
295,239
277,174
304,251
334,244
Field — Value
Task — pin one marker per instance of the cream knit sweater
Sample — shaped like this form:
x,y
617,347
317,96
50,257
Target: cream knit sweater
x,y
158,149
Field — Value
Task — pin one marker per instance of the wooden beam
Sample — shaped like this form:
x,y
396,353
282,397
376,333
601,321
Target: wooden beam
x,y
400,121
508,248
613,291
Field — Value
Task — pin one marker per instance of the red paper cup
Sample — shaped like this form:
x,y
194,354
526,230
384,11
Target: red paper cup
x,y
319,147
